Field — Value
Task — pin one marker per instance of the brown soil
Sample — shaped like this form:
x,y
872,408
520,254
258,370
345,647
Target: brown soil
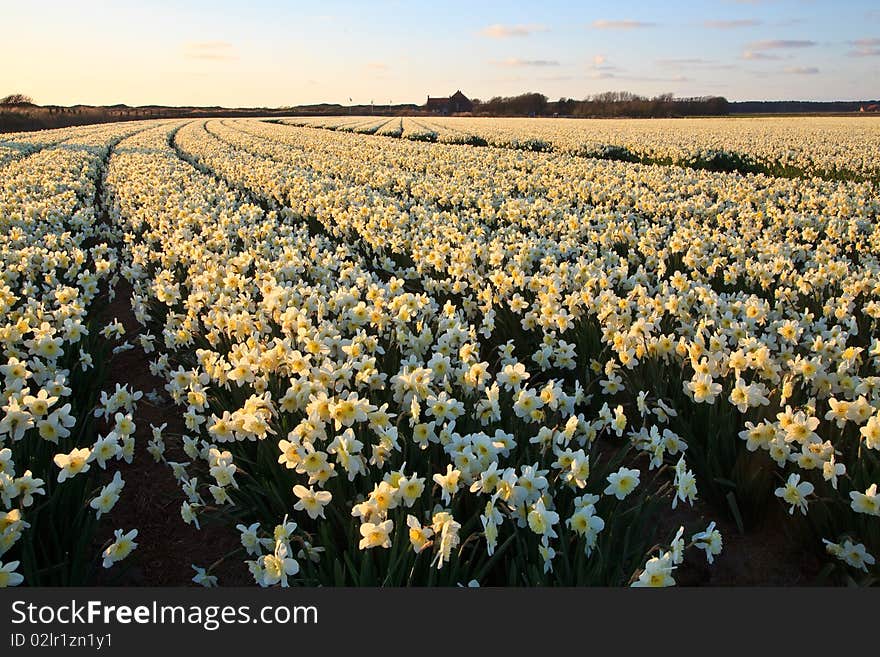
x,y
150,502
769,554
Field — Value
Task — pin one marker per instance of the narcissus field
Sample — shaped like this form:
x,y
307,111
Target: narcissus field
x,y
441,352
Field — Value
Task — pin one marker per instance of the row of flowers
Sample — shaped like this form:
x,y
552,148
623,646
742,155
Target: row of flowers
x,y
58,266
349,425
741,326
825,146
414,363
15,146
617,317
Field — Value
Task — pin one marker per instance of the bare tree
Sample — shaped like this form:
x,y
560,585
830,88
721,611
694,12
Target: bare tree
x,y
17,99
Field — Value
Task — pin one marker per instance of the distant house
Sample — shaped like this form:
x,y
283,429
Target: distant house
x,y
870,108
456,103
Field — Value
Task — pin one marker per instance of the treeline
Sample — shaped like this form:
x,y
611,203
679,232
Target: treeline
x,y
610,104
21,117
798,106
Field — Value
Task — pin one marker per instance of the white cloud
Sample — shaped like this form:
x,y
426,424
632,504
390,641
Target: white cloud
x,y
515,62
684,61
626,24
499,31
781,44
600,63
802,70
751,55
731,24
865,48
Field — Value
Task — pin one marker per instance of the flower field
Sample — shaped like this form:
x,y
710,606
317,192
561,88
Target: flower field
x,y
442,351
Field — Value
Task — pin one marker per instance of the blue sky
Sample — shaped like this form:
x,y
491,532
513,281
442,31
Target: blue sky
x,y
272,54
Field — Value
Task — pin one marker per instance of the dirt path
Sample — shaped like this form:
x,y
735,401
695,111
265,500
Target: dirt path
x,y
151,499
769,554
150,502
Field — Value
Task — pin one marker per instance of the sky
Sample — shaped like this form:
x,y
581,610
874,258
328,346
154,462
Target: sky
x,y
276,54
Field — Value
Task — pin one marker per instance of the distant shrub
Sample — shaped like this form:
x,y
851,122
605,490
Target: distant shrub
x,y
719,160
17,99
